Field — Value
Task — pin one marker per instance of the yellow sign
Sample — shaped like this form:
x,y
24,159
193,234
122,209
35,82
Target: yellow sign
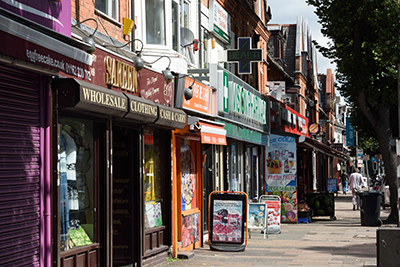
x,y
128,25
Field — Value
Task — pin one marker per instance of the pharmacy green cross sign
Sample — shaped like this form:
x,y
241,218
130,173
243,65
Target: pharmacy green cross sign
x,y
244,55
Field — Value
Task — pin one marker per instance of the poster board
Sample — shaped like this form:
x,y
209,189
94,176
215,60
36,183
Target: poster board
x,y
227,221
281,174
332,185
274,213
257,217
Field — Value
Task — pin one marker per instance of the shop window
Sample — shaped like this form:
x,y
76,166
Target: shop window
x,y
108,7
152,180
75,169
155,22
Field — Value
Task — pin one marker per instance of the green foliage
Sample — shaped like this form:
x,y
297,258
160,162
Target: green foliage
x,y
365,42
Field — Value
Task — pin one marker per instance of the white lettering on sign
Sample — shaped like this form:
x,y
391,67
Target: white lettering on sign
x,y
68,68
248,104
103,98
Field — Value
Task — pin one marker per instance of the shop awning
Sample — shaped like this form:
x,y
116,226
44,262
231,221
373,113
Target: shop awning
x,y
73,93
171,117
211,132
142,110
325,149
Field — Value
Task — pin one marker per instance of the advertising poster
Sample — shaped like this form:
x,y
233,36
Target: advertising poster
x,y
274,213
227,221
190,229
281,171
257,216
189,177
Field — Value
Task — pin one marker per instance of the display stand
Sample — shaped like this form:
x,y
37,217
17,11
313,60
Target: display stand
x,y
274,212
258,219
321,204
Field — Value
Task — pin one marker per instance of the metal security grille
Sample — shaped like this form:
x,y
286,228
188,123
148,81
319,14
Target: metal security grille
x,y
19,168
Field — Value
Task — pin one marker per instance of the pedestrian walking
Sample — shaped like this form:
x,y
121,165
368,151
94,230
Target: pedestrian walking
x,y
355,182
344,179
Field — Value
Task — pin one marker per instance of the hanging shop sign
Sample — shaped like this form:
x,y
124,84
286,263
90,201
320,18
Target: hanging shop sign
x,y
349,133
281,172
202,100
244,55
219,21
314,129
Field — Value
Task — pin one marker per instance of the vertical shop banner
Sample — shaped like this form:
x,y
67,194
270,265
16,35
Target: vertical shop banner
x,y
281,171
349,133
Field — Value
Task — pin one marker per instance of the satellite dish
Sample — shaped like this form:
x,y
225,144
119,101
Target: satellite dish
x,y
187,37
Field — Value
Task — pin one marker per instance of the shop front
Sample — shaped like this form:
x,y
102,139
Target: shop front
x,y
244,111
31,52
113,192
198,154
286,166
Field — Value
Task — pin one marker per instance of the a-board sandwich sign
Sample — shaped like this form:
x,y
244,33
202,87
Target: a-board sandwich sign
x,y
227,221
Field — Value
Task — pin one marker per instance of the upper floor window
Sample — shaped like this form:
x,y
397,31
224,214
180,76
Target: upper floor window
x,y
155,22
108,7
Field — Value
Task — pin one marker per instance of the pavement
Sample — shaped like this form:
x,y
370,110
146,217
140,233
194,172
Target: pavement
x,y
323,242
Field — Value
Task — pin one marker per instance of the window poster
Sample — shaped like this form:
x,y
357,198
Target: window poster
x,y
188,175
190,229
227,221
281,172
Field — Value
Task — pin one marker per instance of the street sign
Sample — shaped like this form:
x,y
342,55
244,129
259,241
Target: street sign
x,y
244,55
378,156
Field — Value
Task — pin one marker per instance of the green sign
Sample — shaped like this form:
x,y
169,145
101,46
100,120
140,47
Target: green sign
x,y
244,55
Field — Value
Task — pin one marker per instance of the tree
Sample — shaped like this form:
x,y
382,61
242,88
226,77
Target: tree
x,y
365,46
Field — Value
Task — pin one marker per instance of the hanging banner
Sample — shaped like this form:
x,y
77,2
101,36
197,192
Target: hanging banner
x,y
349,133
281,171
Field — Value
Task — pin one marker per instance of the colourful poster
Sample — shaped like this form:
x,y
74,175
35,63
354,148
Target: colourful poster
x,y
190,229
188,176
281,172
227,221
257,216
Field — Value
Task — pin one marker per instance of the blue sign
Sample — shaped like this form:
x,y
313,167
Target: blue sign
x,y
349,133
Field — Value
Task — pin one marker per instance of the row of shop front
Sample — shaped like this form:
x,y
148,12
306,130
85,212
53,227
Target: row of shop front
x,y
88,162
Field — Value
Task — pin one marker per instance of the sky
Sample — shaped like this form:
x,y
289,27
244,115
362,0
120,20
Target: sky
x,y
286,12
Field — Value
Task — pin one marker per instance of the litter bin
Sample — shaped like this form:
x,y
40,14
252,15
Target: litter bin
x,y
370,208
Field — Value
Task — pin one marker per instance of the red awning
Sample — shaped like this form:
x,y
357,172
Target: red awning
x,y
212,133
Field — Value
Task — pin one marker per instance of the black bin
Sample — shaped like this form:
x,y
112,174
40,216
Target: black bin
x,y
370,208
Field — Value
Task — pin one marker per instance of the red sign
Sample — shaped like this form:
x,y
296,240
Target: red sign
x,y
146,83
285,119
314,129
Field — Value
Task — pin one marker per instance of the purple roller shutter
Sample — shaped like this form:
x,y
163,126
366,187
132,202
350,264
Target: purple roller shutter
x,y
19,168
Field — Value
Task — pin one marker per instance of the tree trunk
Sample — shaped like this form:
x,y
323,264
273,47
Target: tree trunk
x,y
381,124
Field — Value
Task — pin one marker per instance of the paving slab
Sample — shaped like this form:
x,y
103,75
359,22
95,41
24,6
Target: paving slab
x,y
323,242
